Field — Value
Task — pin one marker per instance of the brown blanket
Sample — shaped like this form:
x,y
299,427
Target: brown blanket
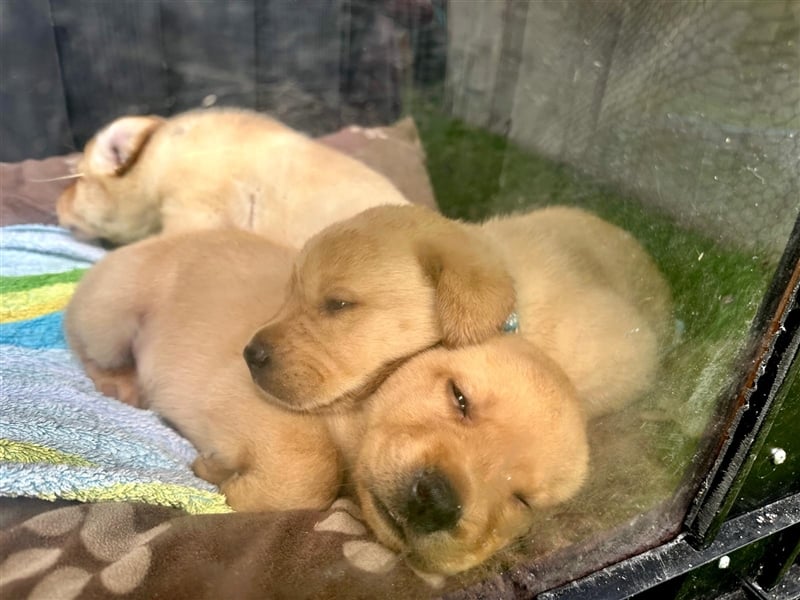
x,y
141,551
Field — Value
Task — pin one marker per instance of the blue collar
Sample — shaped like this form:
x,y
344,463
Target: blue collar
x,y
511,324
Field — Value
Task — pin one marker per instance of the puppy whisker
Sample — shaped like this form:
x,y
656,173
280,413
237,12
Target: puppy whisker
x,y
62,178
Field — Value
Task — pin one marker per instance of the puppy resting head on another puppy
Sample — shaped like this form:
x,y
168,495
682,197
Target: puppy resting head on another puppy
x,y
367,294
462,449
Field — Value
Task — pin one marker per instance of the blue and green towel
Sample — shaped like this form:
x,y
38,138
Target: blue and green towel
x,y
59,438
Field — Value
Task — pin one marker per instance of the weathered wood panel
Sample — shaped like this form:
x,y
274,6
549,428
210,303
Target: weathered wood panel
x,y
33,114
475,45
112,61
694,108
70,67
297,62
209,53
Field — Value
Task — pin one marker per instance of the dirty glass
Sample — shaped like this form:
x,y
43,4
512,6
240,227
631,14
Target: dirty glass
x,y
677,121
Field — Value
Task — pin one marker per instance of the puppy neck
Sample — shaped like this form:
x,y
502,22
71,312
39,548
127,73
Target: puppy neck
x,y
347,429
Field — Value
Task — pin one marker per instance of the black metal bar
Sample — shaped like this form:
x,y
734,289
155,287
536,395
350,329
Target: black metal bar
x,y
787,589
678,557
779,558
780,332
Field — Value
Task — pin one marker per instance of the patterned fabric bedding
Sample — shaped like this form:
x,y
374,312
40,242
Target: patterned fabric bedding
x,y
59,438
122,549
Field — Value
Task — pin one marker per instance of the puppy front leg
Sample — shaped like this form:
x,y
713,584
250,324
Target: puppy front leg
x,y
293,469
208,466
101,323
264,458
257,490
121,384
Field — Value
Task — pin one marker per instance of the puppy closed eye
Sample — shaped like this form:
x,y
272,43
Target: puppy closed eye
x,y
520,499
333,306
460,401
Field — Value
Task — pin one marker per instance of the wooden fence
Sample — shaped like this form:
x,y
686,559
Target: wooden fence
x,y
69,66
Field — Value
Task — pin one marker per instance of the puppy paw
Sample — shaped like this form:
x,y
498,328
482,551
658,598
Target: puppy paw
x,y
207,467
120,384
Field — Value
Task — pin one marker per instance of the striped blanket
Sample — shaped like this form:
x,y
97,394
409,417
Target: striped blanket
x,y
59,438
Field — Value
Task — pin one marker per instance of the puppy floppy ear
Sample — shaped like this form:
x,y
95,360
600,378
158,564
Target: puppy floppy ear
x,y
115,149
474,291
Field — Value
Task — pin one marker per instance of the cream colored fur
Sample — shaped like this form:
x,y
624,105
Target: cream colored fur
x,y
585,291
162,323
214,168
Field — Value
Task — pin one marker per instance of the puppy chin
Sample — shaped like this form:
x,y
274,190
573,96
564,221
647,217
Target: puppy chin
x,y
421,552
315,397
386,533
391,534
300,403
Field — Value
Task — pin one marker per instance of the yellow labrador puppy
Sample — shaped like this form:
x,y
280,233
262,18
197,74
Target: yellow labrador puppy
x,y
450,459
369,292
162,323
142,175
460,450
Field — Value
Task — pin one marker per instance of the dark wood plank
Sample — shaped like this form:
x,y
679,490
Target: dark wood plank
x,y
33,116
375,61
112,61
209,51
297,61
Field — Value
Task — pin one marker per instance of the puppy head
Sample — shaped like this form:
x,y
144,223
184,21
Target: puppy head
x,y
464,447
367,294
106,200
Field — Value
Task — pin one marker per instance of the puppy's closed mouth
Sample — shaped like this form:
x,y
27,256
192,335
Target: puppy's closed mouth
x,y
389,517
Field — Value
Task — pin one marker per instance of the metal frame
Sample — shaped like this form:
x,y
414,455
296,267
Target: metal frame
x,y
708,535
678,557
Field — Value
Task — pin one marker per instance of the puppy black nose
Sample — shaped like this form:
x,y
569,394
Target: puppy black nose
x,y
256,354
432,503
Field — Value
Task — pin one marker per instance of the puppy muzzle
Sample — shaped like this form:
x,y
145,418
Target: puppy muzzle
x,y
257,355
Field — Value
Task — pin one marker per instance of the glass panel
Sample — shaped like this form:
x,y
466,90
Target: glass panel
x,y
678,122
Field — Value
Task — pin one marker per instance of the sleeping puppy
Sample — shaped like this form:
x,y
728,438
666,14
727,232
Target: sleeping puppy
x,y
461,450
161,324
367,293
451,458
205,169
